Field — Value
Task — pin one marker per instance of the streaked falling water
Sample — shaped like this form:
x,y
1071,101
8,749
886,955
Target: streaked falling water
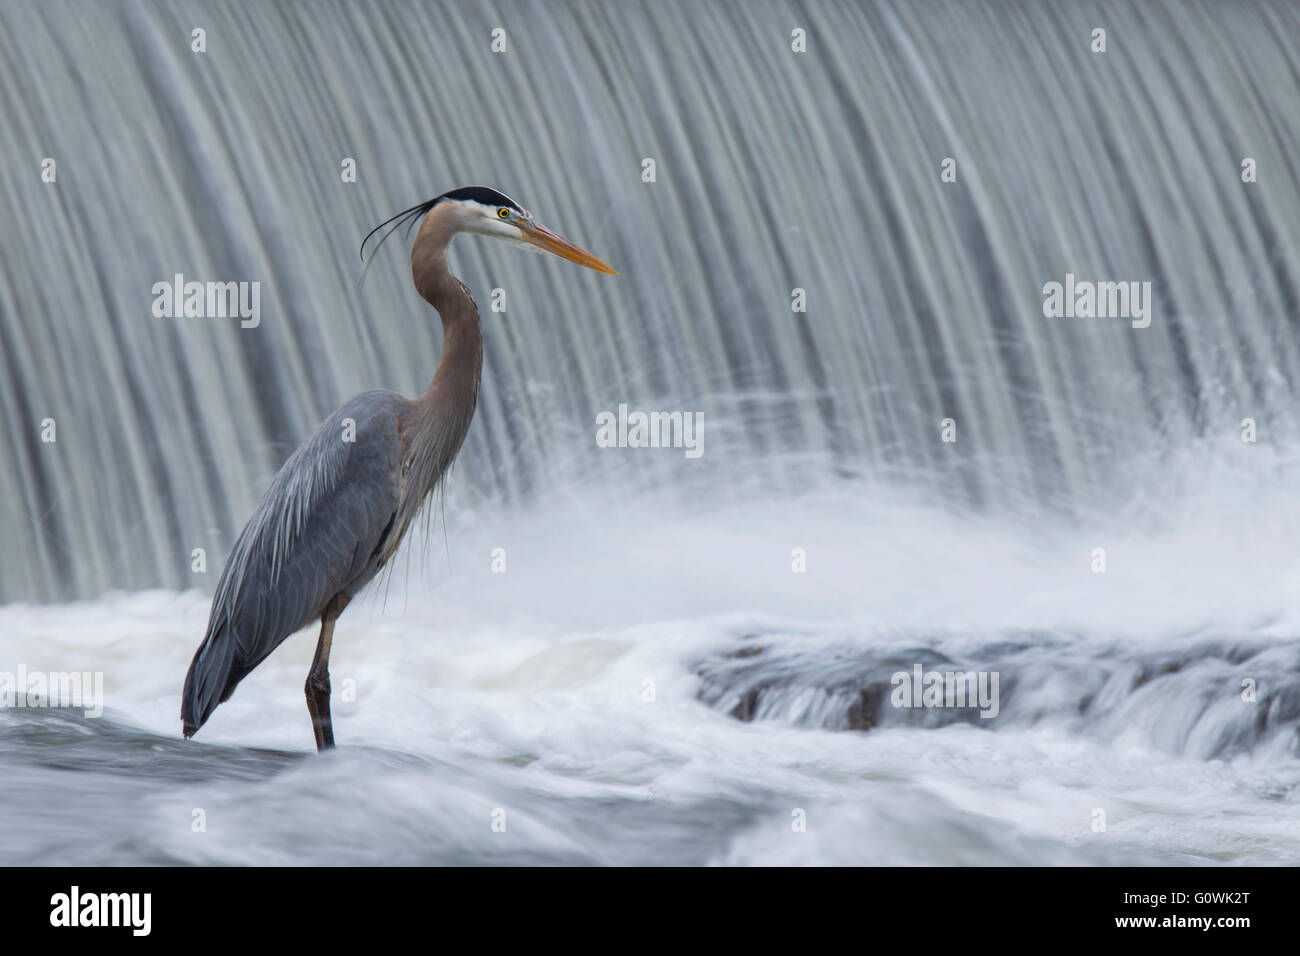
x,y
775,170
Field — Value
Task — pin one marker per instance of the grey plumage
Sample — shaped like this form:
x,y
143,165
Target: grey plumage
x,y
319,531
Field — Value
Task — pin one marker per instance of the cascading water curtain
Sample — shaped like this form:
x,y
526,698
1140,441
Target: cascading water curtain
x,y
867,226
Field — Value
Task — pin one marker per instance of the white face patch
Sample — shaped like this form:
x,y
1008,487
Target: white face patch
x,y
486,221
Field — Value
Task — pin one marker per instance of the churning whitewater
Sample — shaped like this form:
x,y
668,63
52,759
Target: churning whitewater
x,y
683,713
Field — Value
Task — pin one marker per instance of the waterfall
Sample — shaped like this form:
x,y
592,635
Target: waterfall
x,y
775,170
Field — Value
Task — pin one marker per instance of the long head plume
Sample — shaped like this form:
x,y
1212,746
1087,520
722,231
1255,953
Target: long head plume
x,y
406,217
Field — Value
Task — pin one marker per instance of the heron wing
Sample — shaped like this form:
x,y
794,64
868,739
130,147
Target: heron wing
x,y
317,532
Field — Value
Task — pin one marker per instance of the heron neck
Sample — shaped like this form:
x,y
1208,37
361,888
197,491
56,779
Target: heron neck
x,y
447,405
461,360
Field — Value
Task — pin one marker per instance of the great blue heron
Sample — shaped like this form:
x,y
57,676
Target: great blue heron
x,y
339,507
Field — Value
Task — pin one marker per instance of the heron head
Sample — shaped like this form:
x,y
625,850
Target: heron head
x,y
482,210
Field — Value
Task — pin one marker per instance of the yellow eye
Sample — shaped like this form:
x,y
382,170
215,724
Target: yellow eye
x,y
503,212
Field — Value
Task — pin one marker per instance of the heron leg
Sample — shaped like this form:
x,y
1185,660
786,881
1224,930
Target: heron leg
x,y
318,679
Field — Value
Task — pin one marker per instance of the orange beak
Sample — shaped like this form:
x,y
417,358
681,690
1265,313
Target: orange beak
x,y
538,235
